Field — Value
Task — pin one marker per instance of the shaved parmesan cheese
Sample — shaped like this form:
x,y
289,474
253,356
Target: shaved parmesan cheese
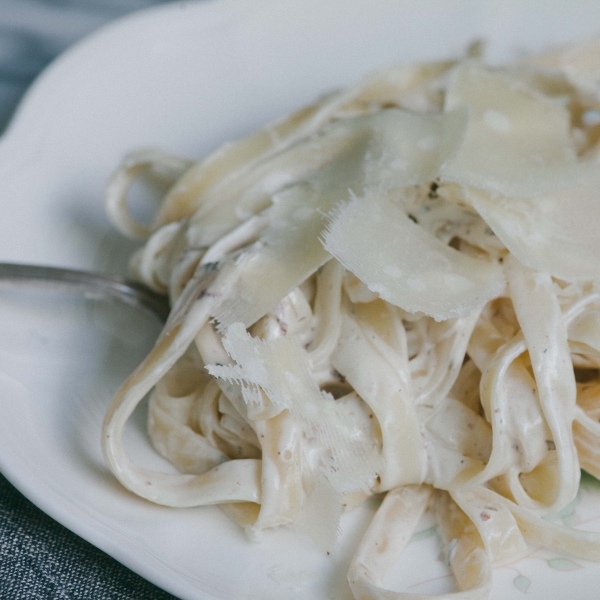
x,y
406,265
320,516
518,142
417,87
581,60
288,250
390,149
408,148
348,456
553,233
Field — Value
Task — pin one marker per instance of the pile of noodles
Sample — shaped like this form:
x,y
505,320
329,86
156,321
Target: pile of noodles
x,y
395,290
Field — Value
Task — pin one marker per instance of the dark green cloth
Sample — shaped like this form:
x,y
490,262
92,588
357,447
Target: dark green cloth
x,y
42,560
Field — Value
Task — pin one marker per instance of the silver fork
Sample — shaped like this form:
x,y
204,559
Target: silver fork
x,y
90,285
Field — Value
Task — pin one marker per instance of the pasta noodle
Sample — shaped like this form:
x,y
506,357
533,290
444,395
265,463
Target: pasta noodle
x,y
393,291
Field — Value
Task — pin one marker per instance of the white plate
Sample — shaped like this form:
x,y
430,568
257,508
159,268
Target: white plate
x,y
187,77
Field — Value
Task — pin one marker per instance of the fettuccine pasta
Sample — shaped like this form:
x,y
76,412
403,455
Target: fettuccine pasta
x,y
394,291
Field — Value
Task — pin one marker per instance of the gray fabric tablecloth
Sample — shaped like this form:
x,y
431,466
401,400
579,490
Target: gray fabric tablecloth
x,y
40,559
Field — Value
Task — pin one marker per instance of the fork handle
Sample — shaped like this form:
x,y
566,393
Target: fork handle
x,y
90,285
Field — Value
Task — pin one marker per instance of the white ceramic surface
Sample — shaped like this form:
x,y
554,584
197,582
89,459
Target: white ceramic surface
x,y
187,77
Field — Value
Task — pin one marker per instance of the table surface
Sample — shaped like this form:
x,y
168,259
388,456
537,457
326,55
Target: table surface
x,y
40,559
